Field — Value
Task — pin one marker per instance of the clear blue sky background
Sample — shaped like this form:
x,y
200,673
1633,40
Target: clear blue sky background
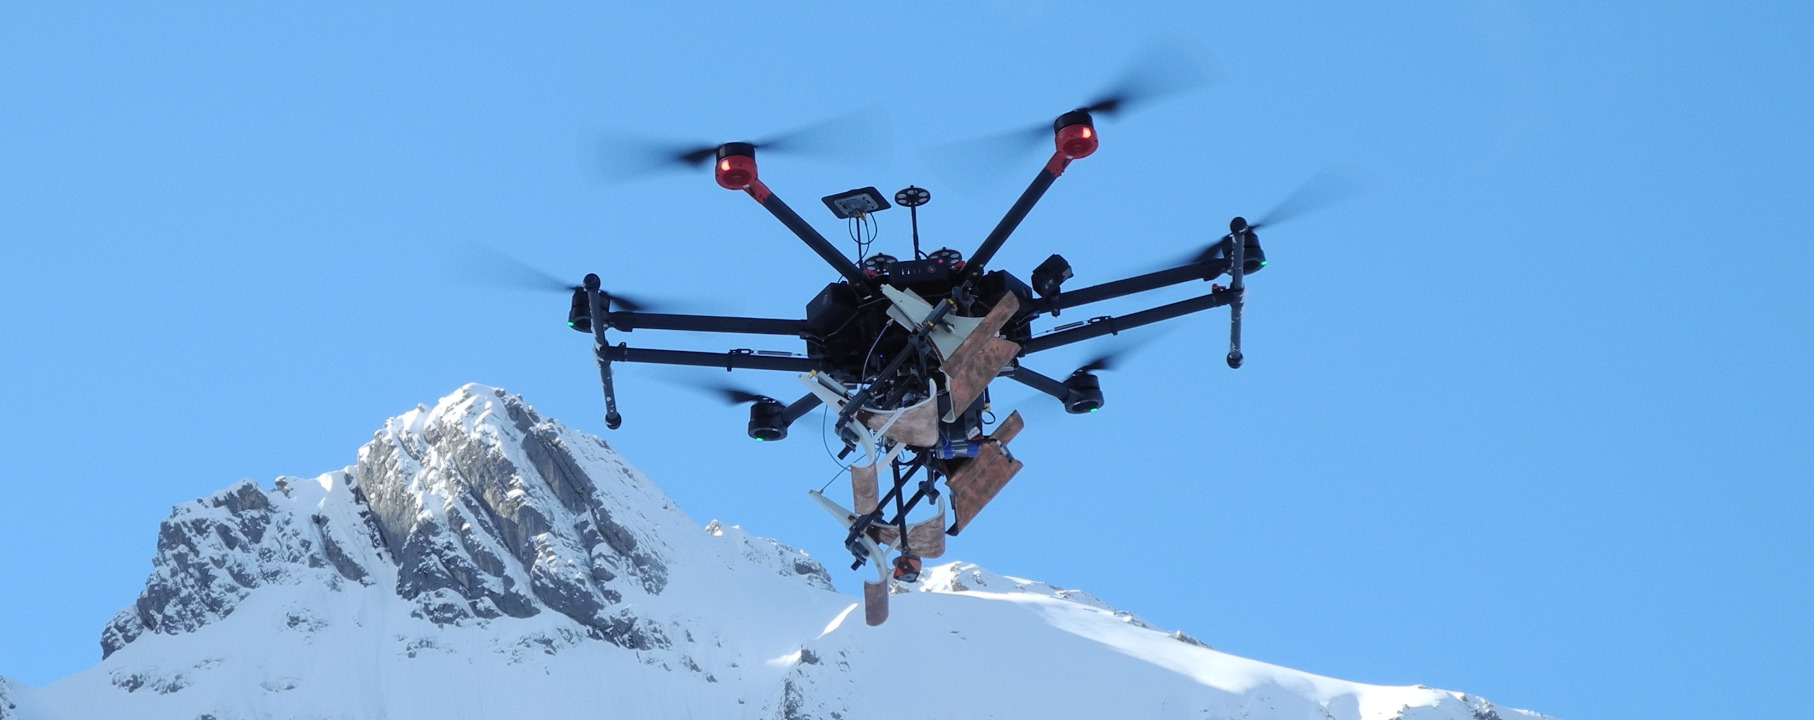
x,y
1529,419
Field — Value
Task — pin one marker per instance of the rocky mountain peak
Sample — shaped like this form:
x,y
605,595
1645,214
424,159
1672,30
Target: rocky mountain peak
x,y
488,512
475,509
479,560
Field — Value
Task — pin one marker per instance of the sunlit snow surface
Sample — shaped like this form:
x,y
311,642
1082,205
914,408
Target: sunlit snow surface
x,y
746,627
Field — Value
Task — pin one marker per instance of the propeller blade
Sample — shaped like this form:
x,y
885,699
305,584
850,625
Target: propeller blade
x,y
857,134
1327,187
966,162
1163,70
725,392
1029,404
621,157
734,395
487,265
1119,350
1104,362
623,302
697,157
624,157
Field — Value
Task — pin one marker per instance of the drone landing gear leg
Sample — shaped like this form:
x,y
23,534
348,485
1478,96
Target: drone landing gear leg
x,y
612,419
1238,286
599,304
875,592
1234,333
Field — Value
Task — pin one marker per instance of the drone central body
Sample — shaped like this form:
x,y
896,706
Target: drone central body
x,y
904,351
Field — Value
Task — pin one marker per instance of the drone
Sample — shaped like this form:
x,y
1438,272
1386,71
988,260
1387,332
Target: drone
x,y
901,352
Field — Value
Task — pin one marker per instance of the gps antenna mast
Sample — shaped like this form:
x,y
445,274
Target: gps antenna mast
x,y
912,198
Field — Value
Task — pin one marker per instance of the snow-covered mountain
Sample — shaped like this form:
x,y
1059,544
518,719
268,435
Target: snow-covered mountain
x,y
480,561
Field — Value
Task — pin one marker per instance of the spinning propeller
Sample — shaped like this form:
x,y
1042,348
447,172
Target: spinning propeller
x,y
1243,244
736,395
1162,71
1081,391
1105,361
769,418
491,266
626,157
1084,389
1323,189
1327,187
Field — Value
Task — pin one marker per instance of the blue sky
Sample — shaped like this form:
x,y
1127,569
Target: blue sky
x,y
1529,418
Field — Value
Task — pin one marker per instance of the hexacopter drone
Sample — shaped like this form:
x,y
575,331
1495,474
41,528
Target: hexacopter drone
x,y
904,350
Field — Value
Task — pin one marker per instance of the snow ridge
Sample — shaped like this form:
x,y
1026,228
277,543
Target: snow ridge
x,y
784,560
481,561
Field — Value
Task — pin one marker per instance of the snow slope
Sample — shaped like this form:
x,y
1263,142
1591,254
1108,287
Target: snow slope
x,y
480,561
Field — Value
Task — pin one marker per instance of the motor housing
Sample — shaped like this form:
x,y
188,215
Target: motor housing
x,y
1083,393
579,315
736,168
1075,134
767,423
1253,257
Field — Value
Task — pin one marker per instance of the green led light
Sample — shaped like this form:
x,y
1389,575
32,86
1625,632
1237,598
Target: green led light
x,y
758,439
569,324
1262,263
1094,409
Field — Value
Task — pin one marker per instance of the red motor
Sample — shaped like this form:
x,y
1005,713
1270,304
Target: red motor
x,y
1075,134
736,167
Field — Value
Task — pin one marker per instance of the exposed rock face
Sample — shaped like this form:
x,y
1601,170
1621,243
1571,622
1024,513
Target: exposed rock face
x,y
211,553
481,561
498,519
475,510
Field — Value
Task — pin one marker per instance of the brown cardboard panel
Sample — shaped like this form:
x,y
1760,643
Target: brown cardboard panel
x,y
875,602
917,427
864,489
978,482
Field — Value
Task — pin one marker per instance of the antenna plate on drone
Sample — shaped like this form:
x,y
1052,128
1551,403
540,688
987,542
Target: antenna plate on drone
x,y
861,201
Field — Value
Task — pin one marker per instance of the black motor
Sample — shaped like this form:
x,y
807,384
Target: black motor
x,y
1252,256
766,420
579,316
1083,393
